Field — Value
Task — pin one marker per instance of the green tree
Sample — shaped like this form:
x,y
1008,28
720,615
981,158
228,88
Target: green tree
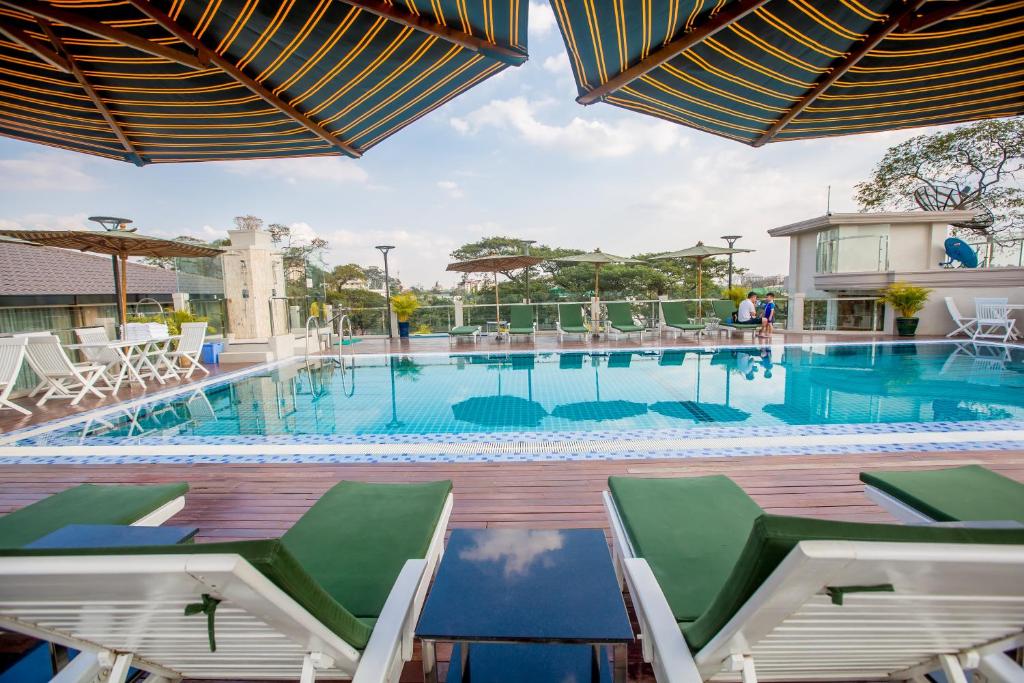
x,y
168,262
979,164
340,276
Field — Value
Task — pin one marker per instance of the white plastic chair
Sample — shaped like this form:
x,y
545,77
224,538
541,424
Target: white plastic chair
x,y
12,353
994,321
108,358
964,325
190,346
48,360
150,357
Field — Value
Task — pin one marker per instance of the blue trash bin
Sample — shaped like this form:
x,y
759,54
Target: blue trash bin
x,y
211,352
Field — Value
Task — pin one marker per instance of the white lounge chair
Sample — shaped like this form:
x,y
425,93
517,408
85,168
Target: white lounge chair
x,y
190,347
965,325
337,596
726,592
993,320
12,353
63,378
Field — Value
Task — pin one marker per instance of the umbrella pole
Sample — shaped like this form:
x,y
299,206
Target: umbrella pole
x,y
700,287
595,305
117,293
124,291
497,305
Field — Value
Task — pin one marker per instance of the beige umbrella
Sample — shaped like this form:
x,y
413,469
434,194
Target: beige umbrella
x,y
700,251
119,243
599,259
494,264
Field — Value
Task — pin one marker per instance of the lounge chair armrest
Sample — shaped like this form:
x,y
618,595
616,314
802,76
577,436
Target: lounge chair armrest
x,y
390,643
671,658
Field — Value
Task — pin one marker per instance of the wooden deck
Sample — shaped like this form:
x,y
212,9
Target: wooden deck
x,y
260,501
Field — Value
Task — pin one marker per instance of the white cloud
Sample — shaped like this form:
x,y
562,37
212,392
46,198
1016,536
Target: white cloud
x,y
331,170
48,221
557,64
590,138
542,19
451,188
47,171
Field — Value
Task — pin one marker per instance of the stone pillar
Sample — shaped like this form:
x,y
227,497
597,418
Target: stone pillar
x,y
253,276
459,317
795,313
179,301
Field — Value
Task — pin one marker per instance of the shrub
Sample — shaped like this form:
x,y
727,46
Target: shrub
x,y
905,298
404,305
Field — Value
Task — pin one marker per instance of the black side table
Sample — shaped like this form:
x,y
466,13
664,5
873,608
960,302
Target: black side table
x,y
523,586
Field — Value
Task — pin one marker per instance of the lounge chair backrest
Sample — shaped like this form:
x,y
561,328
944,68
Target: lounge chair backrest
x,y
676,312
570,315
954,312
521,316
620,312
723,309
47,358
90,335
192,337
12,353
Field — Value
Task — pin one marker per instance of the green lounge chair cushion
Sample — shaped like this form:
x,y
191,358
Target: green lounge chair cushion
x,y
626,327
271,558
691,531
521,319
85,504
355,540
570,317
773,537
677,314
463,330
575,329
686,327
960,494
520,330
620,317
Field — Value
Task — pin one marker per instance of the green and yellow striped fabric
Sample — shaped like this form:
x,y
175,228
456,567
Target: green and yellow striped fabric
x,y
324,76
761,71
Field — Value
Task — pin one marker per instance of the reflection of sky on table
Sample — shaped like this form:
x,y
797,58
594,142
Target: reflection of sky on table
x,y
750,387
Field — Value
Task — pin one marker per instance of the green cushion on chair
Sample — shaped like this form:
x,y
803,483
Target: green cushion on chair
x,y
85,504
627,328
959,494
520,330
463,330
271,558
773,537
686,327
690,530
355,540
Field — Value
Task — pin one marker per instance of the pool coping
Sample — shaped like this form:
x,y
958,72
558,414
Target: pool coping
x,y
510,446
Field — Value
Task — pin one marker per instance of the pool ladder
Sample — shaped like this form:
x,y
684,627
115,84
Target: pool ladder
x,y
344,331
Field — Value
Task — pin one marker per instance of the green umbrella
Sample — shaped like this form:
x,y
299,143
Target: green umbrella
x,y
599,259
700,251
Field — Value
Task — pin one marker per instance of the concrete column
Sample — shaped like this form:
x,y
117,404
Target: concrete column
x,y
459,317
795,314
179,300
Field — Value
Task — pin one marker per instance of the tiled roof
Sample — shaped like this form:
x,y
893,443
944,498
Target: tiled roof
x,y
29,270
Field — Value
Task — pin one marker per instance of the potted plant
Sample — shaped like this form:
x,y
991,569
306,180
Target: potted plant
x,y
404,305
906,299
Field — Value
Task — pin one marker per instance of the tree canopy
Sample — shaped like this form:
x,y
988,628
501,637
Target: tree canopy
x,y
977,165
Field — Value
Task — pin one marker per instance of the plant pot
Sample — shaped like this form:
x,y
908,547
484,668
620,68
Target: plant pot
x,y
403,329
906,327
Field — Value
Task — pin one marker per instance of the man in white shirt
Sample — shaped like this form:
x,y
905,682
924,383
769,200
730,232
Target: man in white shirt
x,y
747,312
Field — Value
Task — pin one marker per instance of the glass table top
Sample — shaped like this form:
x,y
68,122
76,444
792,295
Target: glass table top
x,y
526,585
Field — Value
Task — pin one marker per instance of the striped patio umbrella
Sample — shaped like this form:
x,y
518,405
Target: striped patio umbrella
x,y
151,81
761,71
494,264
598,259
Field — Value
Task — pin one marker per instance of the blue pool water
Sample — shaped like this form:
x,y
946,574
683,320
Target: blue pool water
x,y
751,390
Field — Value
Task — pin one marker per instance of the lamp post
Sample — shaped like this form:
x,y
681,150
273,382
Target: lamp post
x,y
526,251
731,239
384,249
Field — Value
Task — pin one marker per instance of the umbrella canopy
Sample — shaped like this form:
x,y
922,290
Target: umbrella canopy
x,y
760,71
499,411
119,244
152,81
700,251
599,259
494,264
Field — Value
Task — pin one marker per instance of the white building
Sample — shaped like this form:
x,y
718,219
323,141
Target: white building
x,y
839,262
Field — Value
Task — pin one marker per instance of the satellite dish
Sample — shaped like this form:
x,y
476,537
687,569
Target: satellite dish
x,y
943,198
959,251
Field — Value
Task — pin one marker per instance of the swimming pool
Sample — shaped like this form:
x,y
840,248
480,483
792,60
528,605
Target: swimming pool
x,y
761,394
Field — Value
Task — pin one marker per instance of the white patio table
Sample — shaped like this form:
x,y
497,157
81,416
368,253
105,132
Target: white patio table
x,y
134,355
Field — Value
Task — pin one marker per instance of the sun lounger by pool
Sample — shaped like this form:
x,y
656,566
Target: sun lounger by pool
x,y
570,321
337,595
620,319
724,310
724,591
970,493
521,323
463,331
676,316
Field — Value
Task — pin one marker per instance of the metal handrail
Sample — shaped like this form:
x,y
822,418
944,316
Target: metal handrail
x,y
316,320
344,320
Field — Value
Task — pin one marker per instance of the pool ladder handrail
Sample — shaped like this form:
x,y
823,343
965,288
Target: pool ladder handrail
x,y
344,330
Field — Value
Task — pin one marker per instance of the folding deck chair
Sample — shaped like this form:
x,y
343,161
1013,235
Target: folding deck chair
x,y
620,319
726,592
521,322
336,596
570,321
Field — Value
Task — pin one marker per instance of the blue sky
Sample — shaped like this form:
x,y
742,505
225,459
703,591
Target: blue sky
x,y
514,156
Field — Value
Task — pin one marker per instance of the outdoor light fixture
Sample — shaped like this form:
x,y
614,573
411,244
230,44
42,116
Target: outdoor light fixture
x,y
111,223
731,239
384,249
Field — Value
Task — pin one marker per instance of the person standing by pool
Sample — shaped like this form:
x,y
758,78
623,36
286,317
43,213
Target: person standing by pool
x,y
768,316
747,312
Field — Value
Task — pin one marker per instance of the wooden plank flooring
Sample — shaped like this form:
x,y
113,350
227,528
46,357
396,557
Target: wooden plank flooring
x,y
260,501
